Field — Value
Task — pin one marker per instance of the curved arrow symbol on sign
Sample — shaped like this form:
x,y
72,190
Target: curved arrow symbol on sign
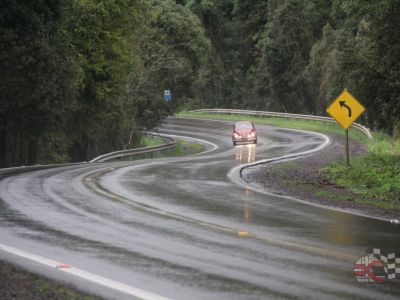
x,y
343,104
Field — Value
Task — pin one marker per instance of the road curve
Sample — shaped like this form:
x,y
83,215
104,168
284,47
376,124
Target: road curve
x,y
178,228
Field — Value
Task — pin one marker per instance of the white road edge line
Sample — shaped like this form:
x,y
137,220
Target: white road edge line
x,y
112,284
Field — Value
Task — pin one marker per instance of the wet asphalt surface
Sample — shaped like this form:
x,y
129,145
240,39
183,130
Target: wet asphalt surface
x,y
179,228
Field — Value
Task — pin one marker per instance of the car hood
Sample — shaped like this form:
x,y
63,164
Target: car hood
x,y
244,132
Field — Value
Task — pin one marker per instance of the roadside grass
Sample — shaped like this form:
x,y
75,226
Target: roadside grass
x,y
324,127
374,176
150,141
186,148
182,148
324,194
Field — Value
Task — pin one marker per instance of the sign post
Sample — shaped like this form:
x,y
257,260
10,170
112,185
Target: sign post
x,y
345,109
347,148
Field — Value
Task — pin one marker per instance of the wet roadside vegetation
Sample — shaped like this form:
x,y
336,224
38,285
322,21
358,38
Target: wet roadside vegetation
x,y
182,148
375,175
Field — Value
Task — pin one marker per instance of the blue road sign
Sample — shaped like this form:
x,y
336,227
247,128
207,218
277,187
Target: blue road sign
x,y
167,95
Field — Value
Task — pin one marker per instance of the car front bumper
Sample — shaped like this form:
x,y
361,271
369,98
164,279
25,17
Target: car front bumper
x,y
244,140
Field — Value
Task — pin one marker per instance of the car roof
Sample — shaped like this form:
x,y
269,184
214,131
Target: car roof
x,y
244,122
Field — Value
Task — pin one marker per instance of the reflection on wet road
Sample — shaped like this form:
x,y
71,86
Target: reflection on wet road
x,y
245,153
179,228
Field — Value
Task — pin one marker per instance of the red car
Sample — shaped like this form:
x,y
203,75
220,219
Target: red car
x,y
244,132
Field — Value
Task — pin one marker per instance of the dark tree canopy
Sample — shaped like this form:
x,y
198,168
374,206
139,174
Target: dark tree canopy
x,y
297,56
81,77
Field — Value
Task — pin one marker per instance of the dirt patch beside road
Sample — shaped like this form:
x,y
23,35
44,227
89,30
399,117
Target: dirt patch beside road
x,y
302,179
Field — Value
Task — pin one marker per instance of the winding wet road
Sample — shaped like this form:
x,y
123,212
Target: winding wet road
x,y
179,228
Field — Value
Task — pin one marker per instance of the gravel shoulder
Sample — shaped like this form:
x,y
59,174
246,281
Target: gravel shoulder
x,y
302,179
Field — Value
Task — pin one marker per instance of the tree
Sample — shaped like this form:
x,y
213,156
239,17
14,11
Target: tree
x,y
359,53
377,44
173,51
98,35
292,29
34,78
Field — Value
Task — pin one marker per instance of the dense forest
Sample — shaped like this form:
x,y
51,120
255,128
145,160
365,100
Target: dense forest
x,y
297,56
83,77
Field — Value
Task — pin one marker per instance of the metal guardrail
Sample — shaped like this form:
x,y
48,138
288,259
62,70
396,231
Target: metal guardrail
x,y
6,172
170,143
357,126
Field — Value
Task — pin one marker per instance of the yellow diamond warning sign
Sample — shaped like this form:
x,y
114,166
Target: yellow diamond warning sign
x,y
345,109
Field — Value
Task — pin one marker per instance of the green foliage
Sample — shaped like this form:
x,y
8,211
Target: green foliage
x,y
97,34
34,76
182,148
82,77
375,175
297,56
292,29
360,53
173,50
148,141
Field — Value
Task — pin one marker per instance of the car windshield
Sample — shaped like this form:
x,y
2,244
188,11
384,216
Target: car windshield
x,y
243,126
